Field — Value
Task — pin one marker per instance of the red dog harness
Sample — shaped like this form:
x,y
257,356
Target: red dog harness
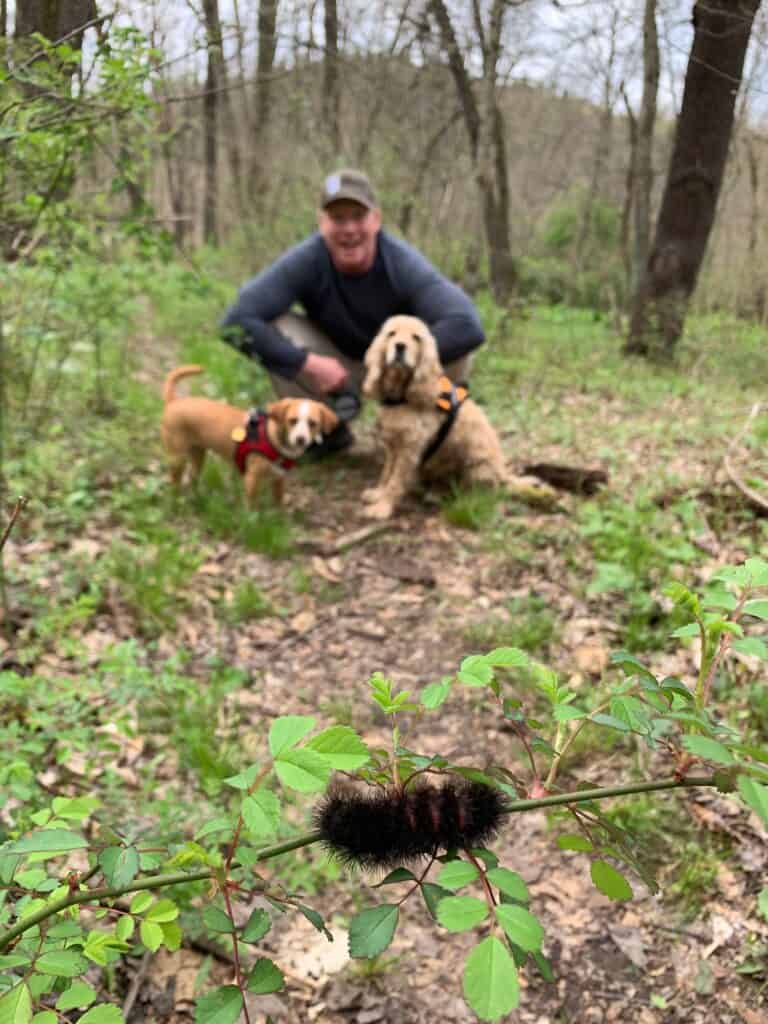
x,y
253,438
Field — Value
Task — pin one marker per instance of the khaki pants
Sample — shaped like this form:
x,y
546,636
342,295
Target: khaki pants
x,y
304,334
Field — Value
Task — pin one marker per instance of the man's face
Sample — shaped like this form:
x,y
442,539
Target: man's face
x,y
349,231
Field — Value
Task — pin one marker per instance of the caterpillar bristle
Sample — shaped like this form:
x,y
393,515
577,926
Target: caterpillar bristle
x,y
391,826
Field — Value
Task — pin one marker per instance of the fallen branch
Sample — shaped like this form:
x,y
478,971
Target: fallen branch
x,y
752,496
577,479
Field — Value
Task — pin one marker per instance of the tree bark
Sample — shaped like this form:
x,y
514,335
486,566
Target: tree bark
x,y
54,19
721,35
213,83
265,63
331,93
487,141
643,176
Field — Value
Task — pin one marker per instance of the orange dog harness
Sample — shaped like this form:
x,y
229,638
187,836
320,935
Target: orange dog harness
x,y
449,400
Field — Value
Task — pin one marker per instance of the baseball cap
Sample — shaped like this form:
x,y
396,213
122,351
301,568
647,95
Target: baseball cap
x,y
348,184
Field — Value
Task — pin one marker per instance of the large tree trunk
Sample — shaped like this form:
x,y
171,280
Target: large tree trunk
x,y
265,63
643,156
721,35
54,19
211,118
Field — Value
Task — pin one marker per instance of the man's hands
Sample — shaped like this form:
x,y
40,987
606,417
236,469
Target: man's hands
x,y
324,373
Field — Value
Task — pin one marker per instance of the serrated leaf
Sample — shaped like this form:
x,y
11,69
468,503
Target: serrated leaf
x,y
398,875
567,712
217,920
257,926
222,1006
507,657
261,812
74,808
475,671
456,873
757,572
610,881
141,901
163,910
342,747
51,841
244,779
755,794
372,930
45,1017
119,864
171,935
303,770
751,645
611,722
16,1005
692,629
151,935
508,882
315,919
756,608
435,694
286,732
520,926
432,895
265,977
125,927
490,980
709,749
211,827
104,1013
460,913
77,996
65,963
574,842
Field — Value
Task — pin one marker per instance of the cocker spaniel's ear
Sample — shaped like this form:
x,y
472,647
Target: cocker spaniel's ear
x,y
429,368
374,363
328,419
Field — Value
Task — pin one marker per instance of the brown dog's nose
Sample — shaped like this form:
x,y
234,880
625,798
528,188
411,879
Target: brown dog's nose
x,y
399,351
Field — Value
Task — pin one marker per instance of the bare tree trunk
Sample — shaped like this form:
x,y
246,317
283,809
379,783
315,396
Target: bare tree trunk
x,y
486,138
54,19
211,118
265,63
331,93
721,35
643,179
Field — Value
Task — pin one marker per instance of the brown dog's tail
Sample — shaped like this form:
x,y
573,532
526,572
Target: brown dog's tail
x,y
169,387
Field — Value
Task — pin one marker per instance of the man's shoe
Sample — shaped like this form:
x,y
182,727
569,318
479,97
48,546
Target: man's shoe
x,y
337,441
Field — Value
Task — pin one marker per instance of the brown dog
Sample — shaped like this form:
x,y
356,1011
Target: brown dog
x,y
263,448
403,372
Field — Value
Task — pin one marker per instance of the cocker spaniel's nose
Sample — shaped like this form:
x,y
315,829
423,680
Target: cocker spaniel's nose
x,y
399,352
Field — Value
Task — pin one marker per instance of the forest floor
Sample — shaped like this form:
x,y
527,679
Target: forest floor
x,y
411,600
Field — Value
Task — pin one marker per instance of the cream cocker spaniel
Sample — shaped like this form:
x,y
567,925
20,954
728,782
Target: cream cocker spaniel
x,y
403,372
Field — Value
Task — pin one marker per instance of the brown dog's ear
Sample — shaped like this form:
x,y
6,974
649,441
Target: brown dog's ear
x,y
429,367
277,410
373,362
328,419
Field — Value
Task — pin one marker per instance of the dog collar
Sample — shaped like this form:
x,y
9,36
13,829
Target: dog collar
x,y
450,399
253,438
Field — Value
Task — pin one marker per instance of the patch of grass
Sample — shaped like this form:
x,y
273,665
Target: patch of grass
x,y
473,508
248,602
529,625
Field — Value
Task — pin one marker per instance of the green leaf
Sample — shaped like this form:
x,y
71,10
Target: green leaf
x,y
265,977
692,629
217,825
217,920
244,780
287,731
372,930
490,980
508,882
751,645
222,1006
612,722
342,747
314,919
475,671
762,902
610,881
74,808
261,812
151,935
16,1005
567,712
65,963
119,864
257,926
507,657
303,770
433,894
125,927
104,1013
574,842
435,694
460,913
520,925
398,875
141,901
710,750
755,795
759,609
171,935
456,873
77,996
757,572
52,841
45,1017
163,910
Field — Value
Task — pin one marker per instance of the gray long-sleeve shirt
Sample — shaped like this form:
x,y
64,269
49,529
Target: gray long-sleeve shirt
x,y
349,309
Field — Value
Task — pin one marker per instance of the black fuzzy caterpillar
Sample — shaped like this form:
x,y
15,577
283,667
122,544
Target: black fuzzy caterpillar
x,y
393,825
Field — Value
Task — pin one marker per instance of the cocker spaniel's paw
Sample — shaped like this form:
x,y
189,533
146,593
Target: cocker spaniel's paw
x,y
371,495
381,509
532,490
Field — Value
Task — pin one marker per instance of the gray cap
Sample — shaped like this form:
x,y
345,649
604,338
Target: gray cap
x,y
348,184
